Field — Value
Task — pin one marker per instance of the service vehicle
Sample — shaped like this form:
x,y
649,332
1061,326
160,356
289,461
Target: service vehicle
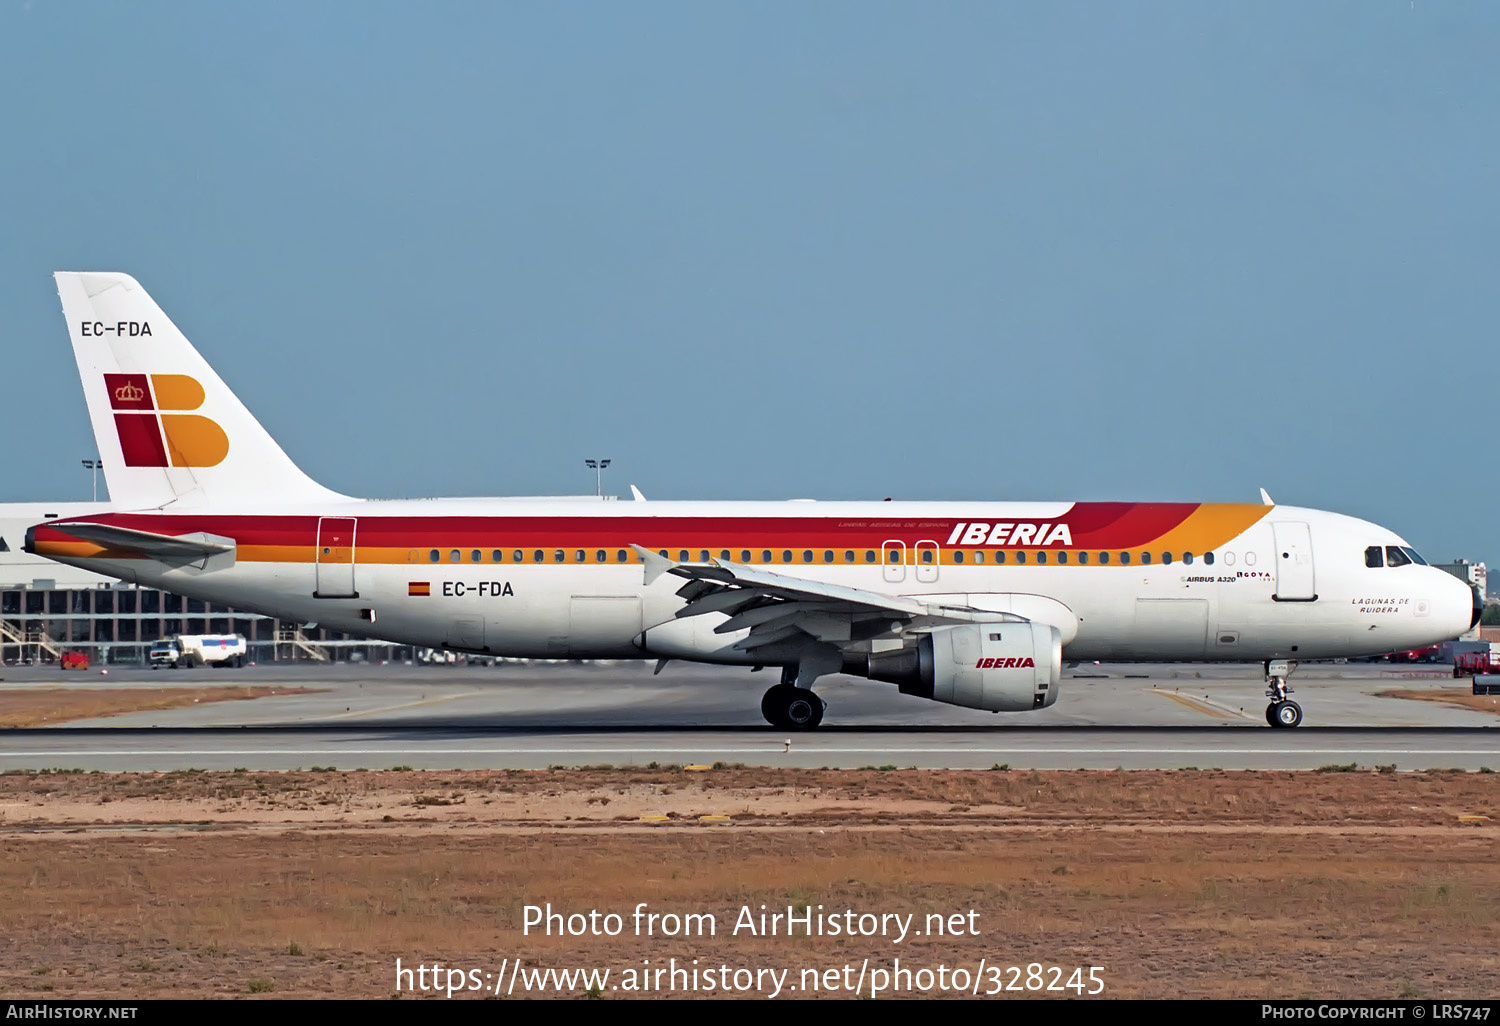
x,y
199,650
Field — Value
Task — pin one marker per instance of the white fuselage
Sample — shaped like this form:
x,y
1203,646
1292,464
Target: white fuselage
x,y
566,584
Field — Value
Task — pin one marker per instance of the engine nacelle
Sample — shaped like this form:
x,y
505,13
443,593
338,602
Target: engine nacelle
x,y
1002,667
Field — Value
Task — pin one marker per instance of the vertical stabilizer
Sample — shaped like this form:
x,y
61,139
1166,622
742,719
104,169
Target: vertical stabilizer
x,y
169,431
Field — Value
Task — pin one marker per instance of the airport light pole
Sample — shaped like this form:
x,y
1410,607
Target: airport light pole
x,y
94,467
597,466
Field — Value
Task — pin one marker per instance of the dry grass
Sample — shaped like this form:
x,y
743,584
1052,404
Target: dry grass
x,y
35,707
1356,885
1464,699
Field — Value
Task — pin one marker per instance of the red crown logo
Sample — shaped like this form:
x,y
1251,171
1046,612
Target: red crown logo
x,y
130,393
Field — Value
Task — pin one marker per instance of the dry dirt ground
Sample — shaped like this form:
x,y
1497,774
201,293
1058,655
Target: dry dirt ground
x,y
1177,884
34,707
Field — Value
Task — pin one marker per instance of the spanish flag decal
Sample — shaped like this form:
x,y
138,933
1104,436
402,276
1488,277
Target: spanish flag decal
x,y
418,588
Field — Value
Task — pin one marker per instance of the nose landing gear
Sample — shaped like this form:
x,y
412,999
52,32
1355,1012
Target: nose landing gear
x,y
1282,712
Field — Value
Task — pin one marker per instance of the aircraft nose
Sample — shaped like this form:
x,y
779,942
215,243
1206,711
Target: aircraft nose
x,y
1458,603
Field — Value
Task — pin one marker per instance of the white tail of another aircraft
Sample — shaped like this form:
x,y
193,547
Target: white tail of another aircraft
x,y
169,431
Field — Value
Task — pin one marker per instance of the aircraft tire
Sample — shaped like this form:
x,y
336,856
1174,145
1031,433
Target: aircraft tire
x,y
792,708
1288,714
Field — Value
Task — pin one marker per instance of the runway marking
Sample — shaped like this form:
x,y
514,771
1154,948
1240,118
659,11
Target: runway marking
x,y
767,750
393,708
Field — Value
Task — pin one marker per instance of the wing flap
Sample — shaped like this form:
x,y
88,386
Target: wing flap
x,y
777,608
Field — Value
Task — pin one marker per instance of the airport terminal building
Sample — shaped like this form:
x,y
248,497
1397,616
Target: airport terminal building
x,y
48,608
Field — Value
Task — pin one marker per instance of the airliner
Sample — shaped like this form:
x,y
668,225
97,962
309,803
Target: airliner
x,y
975,604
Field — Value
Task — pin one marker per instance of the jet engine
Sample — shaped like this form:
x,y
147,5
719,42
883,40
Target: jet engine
x,y
1002,667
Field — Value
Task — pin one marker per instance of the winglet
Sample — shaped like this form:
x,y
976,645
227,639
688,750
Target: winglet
x,y
635,493
655,563
1265,498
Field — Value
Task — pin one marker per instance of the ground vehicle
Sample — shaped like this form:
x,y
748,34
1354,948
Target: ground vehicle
x,y
1480,662
199,650
73,660
1427,654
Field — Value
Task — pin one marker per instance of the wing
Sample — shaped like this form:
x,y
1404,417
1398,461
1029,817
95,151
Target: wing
x,y
776,608
174,550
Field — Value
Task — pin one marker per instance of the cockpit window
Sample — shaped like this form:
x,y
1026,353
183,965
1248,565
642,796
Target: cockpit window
x,y
1413,554
1396,556
1374,557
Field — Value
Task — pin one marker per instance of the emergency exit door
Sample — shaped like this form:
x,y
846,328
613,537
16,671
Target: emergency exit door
x,y
336,558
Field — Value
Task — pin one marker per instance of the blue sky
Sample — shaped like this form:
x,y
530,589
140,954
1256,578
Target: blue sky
x,y
1153,251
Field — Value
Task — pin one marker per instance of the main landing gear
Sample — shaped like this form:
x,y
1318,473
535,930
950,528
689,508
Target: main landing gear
x,y
790,707
1282,712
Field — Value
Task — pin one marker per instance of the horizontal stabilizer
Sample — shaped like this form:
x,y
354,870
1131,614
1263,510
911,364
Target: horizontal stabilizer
x,y
174,550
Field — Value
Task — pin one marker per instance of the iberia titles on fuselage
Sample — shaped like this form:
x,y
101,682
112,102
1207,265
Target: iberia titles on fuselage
x,y
975,604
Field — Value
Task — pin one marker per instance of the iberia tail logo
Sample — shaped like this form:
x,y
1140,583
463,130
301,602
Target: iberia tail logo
x,y
154,425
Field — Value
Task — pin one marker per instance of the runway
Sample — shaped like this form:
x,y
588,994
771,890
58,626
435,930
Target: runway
x,y
540,715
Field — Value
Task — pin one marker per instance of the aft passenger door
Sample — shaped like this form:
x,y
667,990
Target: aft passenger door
x,y
336,558
1295,581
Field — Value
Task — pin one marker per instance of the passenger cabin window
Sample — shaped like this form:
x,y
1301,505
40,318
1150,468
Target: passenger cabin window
x,y
1104,558
786,555
1145,558
1083,558
518,556
583,556
895,555
869,555
454,556
848,555
1166,558
601,556
958,555
1041,557
1020,557
1000,556
1374,557
682,555
433,555
927,555
1208,557
1062,557
559,556
1395,556
621,556
476,556
498,555
765,555
828,555
807,555
539,556
979,556
724,554
1187,557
